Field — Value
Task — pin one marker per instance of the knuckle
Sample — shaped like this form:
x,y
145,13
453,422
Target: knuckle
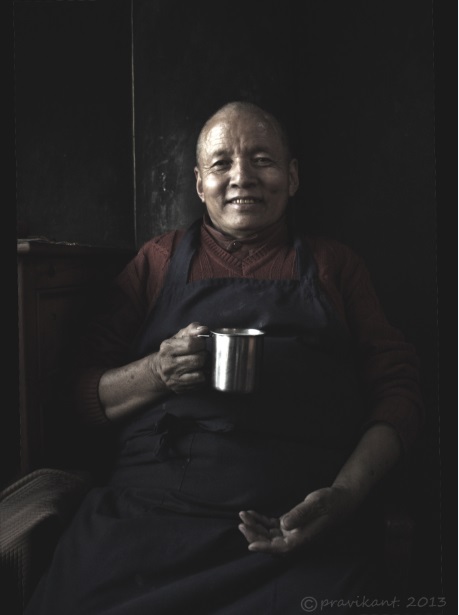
x,y
165,346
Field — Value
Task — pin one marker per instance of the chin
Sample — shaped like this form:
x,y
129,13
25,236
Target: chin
x,y
249,222
244,228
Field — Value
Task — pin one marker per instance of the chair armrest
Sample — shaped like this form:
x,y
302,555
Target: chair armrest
x,y
33,513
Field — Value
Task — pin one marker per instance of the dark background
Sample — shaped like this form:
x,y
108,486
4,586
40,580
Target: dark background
x,y
108,99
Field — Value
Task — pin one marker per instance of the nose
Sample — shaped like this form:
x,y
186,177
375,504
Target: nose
x,y
242,173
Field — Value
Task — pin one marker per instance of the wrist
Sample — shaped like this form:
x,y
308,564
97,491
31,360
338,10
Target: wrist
x,y
352,491
156,378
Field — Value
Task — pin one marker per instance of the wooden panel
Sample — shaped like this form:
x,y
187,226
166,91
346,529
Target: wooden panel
x,y
59,288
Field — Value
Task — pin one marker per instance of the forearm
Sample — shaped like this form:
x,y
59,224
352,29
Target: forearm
x,y
377,452
125,390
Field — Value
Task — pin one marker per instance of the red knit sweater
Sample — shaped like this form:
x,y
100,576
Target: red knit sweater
x,y
389,365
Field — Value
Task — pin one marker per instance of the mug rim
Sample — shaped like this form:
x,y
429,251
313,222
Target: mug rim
x,y
237,331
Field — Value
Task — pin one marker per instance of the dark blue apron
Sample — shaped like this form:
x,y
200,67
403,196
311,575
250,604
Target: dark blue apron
x,y
162,537
309,399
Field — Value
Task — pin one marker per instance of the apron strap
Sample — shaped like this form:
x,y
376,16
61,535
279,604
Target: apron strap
x,y
180,262
179,266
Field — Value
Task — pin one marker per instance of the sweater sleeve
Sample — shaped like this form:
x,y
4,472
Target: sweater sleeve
x,y
388,363
106,341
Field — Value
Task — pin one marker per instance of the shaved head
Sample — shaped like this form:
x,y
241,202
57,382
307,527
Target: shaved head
x,y
236,108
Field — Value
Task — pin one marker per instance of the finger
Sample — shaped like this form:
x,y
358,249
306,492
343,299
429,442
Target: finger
x,y
301,514
193,329
263,529
306,535
183,346
266,544
190,363
287,542
251,534
178,378
276,546
257,517
187,354
190,379
257,528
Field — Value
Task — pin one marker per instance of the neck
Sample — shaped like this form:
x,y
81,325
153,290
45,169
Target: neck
x,y
250,234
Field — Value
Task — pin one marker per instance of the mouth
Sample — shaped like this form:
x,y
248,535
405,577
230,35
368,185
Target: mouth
x,y
249,200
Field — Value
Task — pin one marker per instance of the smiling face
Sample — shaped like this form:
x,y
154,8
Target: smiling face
x,y
244,173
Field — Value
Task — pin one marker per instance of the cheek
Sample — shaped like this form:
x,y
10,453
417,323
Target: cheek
x,y
279,191
212,185
277,183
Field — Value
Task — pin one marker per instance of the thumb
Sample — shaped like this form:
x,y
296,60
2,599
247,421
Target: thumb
x,y
296,517
192,329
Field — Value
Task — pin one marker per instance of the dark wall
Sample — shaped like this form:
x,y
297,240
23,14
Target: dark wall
x,y
354,81
73,121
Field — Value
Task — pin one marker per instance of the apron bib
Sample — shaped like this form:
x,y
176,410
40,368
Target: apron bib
x,y
301,424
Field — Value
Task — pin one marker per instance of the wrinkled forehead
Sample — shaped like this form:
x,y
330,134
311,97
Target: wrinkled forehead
x,y
239,124
226,131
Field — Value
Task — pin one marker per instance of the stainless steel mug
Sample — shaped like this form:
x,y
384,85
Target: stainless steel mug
x,y
237,356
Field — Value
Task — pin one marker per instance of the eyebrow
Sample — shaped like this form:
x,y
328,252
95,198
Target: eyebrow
x,y
255,150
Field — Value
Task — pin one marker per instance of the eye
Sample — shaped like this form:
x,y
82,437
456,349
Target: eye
x,y
221,163
262,160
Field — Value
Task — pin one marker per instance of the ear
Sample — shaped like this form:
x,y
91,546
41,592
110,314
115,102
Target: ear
x,y
293,181
199,190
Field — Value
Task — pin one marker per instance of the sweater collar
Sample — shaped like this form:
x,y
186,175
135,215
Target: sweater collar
x,y
275,234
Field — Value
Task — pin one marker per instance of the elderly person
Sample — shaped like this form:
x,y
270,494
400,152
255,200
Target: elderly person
x,y
233,503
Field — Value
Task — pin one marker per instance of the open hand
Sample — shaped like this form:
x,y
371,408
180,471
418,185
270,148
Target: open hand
x,y
320,511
